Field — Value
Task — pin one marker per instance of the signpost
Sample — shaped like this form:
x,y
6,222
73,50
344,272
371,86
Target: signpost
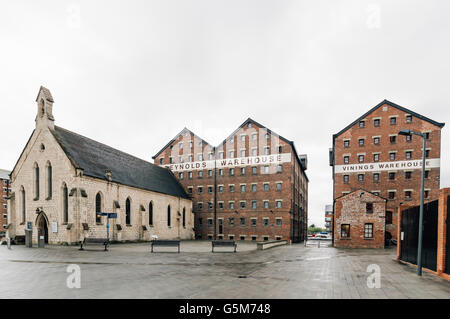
x,y
108,216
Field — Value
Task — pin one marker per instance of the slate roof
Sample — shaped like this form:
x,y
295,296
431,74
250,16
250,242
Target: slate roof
x,y
95,158
401,108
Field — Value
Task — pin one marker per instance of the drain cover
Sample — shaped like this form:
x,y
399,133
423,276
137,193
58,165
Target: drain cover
x,y
242,276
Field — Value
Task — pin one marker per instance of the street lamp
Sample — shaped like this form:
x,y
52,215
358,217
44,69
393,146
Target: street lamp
x,y
419,248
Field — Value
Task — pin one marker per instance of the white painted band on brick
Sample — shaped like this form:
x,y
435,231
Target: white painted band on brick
x,y
232,162
386,166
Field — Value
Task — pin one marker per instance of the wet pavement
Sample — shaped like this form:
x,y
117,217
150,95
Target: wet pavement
x,y
292,271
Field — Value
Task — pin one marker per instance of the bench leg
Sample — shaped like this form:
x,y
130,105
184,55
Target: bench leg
x,y
235,246
152,249
81,247
106,247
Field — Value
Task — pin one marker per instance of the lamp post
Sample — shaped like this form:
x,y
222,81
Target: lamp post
x,y
422,185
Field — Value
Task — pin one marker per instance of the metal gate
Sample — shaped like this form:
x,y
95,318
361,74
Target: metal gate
x,y
447,245
410,233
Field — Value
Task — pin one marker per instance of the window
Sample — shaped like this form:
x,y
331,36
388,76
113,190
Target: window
x,y
254,152
190,190
231,205
253,222
376,193
200,157
266,222
391,176
242,237
408,118
266,187
408,194
369,208
280,149
427,153
128,212
361,158
408,138
243,138
231,154
221,189
231,171
220,205
346,178
346,159
388,218
190,144
184,217
98,208
254,170
150,214
24,207
242,188
266,150
360,177
376,122
426,193
161,161
278,203
427,135
345,231
200,221
408,175
392,156
253,187
200,206
427,174
36,181
266,204
408,154
266,169
168,216
210,189
347,143
376,140
253,204
190,158
368,230
391,195
392,139
231,220
242,220
279,168
254,136
200,190
376,177
393,120
171,160
180,175
242,153
200,174
231,188
210,205
267,136
243,205
210,222
242,170
279,186
65,203
190,175
361,142
279,221
376,157
220,172
49,181
362,124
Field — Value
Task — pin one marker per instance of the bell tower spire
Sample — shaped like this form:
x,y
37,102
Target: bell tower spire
x,y
44,117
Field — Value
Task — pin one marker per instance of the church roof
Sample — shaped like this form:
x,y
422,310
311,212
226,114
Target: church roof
x,y
96,158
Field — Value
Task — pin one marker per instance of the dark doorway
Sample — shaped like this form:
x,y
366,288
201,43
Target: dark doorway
x,y
42,227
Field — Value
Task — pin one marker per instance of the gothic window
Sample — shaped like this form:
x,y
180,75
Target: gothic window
x,y
150,214
168,216
98,208
49,180
36,181
128,212
65,203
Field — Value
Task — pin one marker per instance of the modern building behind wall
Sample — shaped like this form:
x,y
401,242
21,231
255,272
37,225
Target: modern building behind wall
x,y
253,186
369,154
4,193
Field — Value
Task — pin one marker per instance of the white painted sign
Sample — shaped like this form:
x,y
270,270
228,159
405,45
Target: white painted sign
x,y
54,227
231,162
386,166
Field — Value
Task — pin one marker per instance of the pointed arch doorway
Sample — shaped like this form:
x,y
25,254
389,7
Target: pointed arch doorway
x,y
42,226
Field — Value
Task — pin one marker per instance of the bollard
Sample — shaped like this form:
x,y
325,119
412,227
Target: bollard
x,y
318,243
9,243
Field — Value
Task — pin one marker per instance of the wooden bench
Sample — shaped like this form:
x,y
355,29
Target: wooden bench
x,y
223,243
167,243
94,241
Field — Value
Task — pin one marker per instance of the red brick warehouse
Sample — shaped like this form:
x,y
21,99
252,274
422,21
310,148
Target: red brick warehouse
x,y
252,186
4,193
369,154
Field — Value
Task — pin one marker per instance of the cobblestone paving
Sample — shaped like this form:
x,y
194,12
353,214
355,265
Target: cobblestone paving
x,y
131,271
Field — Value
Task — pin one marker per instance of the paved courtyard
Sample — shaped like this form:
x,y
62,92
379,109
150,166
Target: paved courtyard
x,y
131,271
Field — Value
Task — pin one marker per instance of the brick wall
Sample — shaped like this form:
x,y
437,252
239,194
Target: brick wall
x,y
3,206
351,210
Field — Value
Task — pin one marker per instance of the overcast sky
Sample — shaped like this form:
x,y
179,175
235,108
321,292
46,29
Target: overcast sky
x,y
132,74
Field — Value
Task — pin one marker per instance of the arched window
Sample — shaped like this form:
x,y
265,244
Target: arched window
x,y
36,181
168,215
49,181
184,217
128,212
98,208
65,192
24,207
150,214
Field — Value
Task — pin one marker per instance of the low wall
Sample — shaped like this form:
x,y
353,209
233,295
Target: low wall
x,y
270,244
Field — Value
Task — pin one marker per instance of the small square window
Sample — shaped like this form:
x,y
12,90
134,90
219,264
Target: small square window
x,y
376,140
368,230
347,143
362,124
346,179
393,120
376,122
361,142
408,118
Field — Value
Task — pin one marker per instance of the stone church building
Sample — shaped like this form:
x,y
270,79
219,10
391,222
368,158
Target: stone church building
x,y
62,179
